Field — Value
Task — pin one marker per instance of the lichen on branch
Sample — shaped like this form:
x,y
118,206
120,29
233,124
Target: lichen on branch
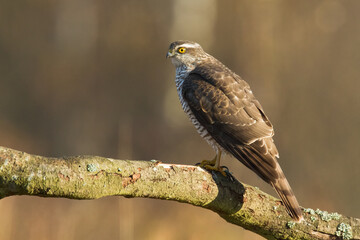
x,y
91,177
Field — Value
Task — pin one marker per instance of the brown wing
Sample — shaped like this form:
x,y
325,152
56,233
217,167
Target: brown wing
x,y
223,103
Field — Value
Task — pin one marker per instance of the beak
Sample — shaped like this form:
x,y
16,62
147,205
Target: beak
x,y
169,54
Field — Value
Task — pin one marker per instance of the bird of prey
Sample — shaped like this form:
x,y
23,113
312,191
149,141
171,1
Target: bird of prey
x,y
226,114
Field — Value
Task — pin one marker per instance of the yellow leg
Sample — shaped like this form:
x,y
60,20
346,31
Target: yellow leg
x,y
209,162
213,164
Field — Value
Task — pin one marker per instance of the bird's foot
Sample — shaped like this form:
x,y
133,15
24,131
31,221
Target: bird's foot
x,y
214,164
207,162
221,169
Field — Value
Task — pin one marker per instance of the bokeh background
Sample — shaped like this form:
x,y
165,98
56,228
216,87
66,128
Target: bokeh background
x,y
90,77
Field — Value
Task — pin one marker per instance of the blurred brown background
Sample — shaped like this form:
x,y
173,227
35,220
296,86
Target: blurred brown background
x,y
90,77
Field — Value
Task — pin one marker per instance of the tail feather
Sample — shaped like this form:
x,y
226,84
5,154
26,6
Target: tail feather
x,y
261,158
283,189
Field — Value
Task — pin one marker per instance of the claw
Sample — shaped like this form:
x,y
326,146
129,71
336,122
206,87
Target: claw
x,y
214,164
208,162
218,169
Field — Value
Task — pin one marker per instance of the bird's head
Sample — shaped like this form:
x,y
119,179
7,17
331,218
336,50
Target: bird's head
x,y
185,53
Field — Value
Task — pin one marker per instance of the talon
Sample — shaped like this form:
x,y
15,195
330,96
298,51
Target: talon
x,y
214,165
218,169
208,162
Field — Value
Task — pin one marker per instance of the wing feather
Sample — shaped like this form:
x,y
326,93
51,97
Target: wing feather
x,y
224,104
235,113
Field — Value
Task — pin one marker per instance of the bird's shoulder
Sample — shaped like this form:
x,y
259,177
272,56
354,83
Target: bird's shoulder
x,y
217,74
213,83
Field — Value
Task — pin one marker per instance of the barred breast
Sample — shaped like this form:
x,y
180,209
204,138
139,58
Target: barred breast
x,y
181,73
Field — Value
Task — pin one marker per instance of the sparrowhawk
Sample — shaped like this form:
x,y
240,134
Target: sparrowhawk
x,y
226,114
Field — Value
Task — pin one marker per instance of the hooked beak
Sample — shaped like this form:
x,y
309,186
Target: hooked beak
x,y
169,54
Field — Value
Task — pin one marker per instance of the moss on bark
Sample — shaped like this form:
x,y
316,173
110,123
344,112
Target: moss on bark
x,y
91,177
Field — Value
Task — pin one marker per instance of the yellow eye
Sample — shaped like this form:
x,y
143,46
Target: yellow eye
x,y
182,50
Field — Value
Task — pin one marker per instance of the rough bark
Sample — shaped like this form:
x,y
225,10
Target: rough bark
x,y
91,177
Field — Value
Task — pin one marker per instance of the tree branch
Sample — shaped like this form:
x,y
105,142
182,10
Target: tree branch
x,y
91,177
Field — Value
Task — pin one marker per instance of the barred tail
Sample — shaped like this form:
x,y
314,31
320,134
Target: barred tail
x,y
261,157
283,189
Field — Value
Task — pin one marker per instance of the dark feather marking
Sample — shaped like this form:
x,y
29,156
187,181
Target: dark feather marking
x,y
224,105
